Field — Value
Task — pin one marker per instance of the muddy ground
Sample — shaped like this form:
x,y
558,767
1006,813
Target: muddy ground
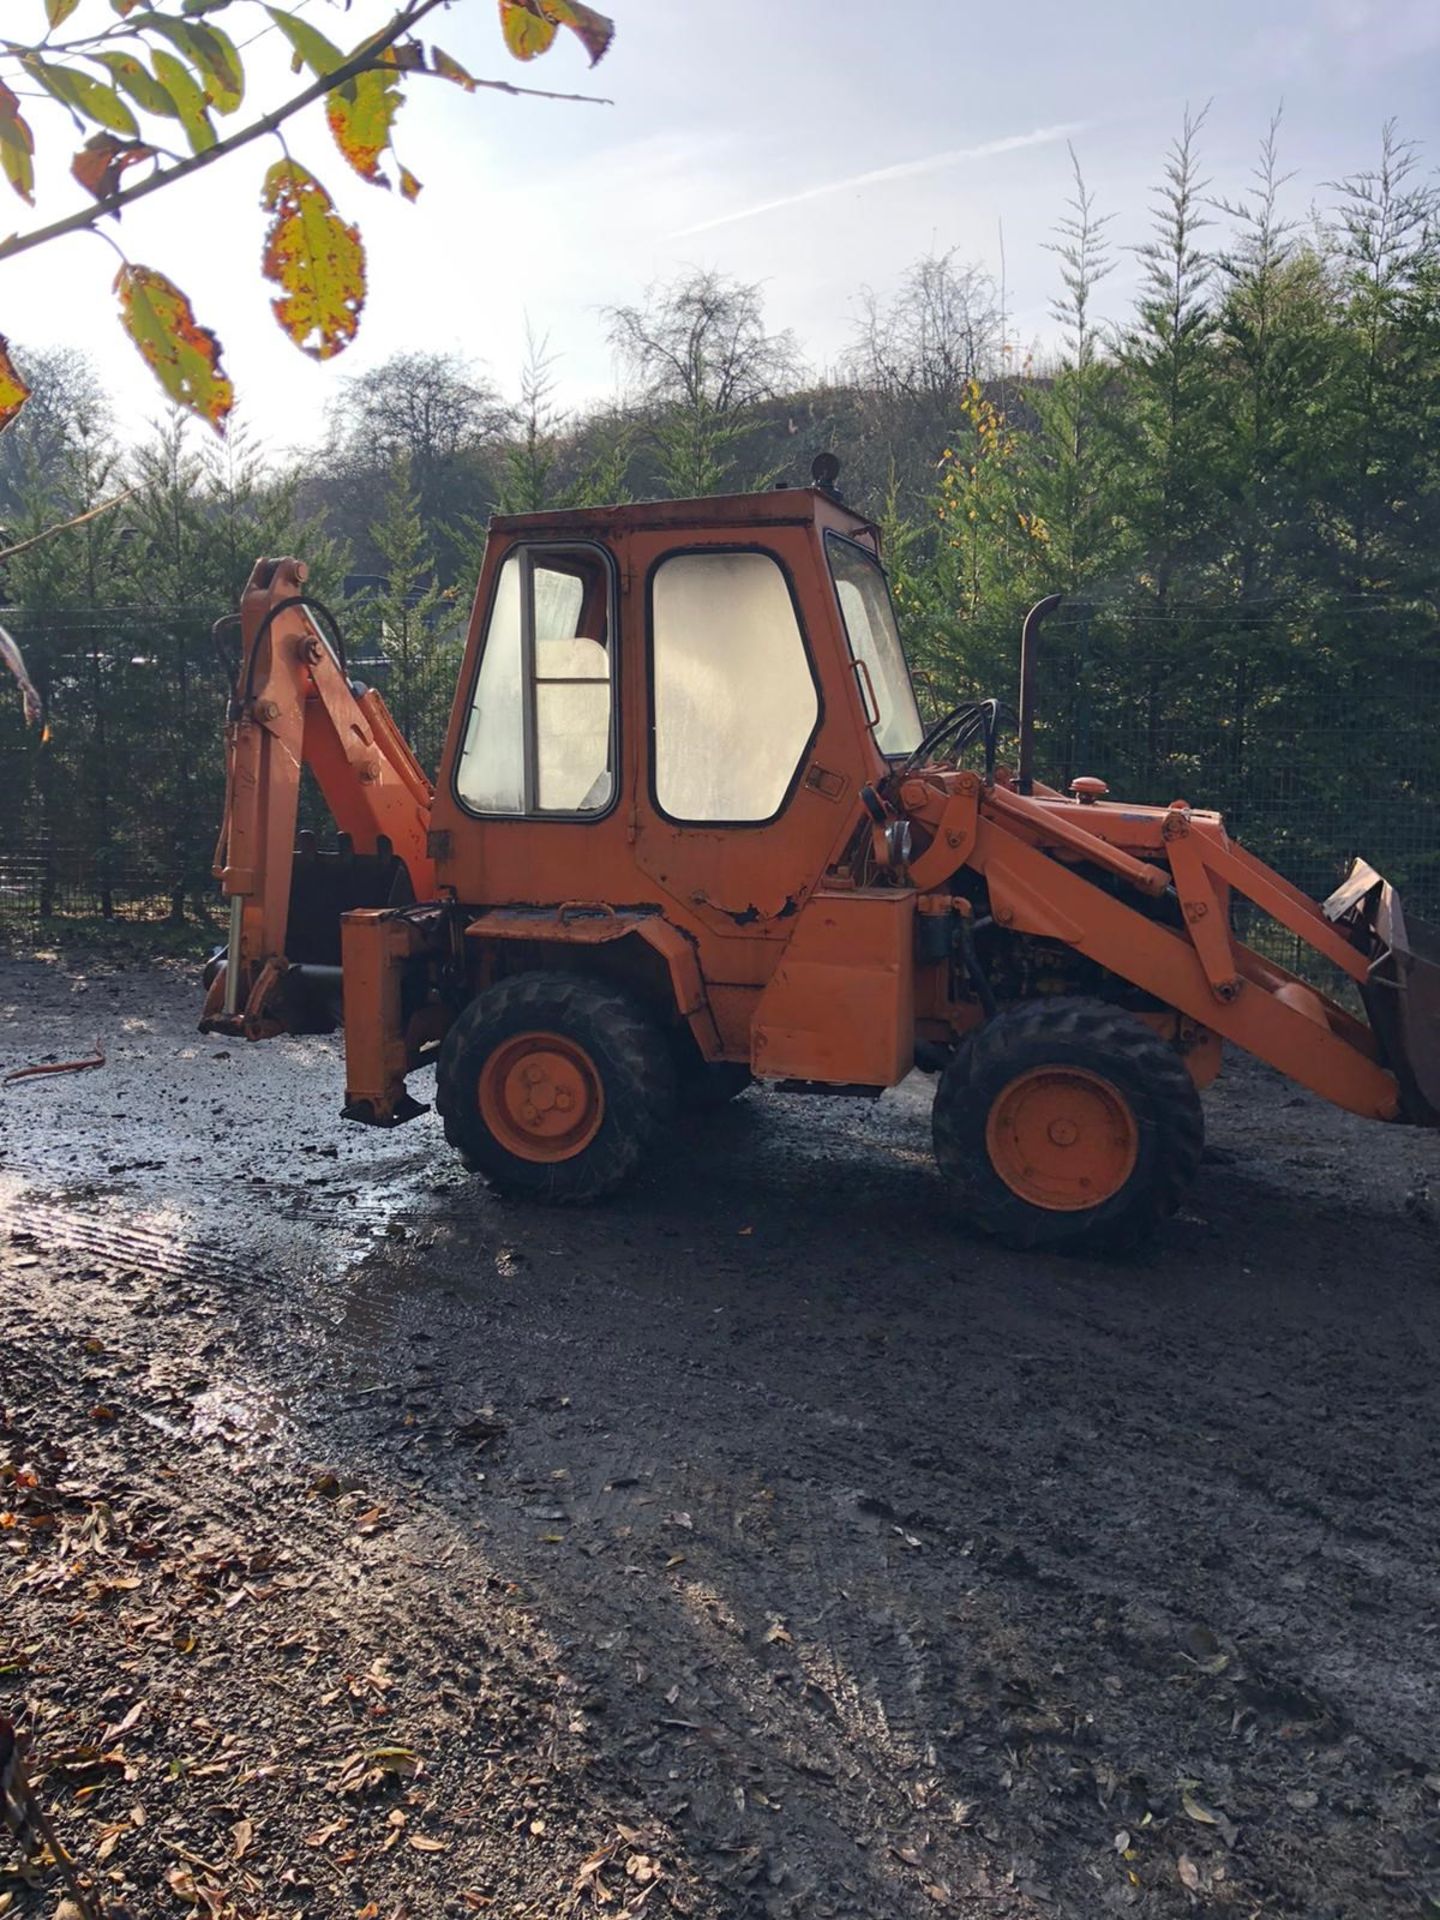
x,y
758,1544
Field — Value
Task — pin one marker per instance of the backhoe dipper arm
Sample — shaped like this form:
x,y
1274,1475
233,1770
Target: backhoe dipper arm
x,y
294,707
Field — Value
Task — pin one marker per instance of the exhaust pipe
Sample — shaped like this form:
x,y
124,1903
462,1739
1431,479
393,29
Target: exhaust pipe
x,y
1029,639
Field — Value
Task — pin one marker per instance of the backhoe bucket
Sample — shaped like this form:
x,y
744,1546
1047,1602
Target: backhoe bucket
x,y
1402,993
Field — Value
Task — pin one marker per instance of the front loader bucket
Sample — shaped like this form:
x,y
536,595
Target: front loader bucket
x,y
1402,993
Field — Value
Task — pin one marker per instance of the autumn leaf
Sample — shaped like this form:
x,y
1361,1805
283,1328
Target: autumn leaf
x,y
361,111
102,161
84,95
17,146
211,53
311,47
449,69
362,1771
133,77
316,260
13,390
191,106
183,356
361,114
530,27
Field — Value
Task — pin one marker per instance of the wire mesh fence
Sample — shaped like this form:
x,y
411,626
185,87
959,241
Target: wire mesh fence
x,y
115,814
1316,746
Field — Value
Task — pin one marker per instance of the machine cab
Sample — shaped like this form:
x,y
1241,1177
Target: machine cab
x,y
672,704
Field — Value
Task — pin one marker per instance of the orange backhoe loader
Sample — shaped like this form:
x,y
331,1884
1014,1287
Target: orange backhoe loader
x,y
689,829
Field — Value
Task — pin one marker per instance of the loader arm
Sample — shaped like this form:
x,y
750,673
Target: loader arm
x,y
294,707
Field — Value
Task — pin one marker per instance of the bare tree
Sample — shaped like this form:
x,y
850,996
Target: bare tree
x,y
699,355
700,341
67,405
910,360
438,416
939,330
429,406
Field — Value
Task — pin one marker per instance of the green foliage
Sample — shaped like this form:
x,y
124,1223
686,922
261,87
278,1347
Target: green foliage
x,y
114,619
533,454
411,620
1236,485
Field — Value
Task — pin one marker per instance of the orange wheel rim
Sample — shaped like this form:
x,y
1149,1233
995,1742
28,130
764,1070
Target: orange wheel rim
x,y
1062,1138
541,1097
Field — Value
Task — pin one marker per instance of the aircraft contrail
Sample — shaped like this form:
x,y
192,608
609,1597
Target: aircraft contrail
x,y
903,170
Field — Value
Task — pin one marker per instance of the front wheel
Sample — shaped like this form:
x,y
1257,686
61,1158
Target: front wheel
x,y
554,1087
1068,1124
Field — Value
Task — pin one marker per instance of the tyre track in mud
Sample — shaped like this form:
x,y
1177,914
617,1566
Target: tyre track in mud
x,y
985,1556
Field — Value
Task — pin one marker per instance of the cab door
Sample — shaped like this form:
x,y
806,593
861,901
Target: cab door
x,y
753,746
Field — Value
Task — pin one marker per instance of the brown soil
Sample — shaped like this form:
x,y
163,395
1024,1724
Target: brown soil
x,y
758,1544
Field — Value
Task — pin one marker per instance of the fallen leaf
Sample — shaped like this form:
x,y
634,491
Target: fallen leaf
x,y
242,1833
362,1771
1197,1810
122,1727
1189,1872
424,1843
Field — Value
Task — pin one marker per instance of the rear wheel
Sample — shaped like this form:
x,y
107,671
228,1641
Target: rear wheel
x,y
1066,1123
554,1087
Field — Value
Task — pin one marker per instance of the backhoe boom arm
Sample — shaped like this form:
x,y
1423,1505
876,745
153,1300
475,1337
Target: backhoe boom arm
x,y
295,707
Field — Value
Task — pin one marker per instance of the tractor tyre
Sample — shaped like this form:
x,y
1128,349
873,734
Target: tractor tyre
x,y
1067,1124
554,1088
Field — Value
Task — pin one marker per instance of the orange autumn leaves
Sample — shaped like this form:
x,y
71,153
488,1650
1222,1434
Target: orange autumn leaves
x,y
316,260
183,356
175,66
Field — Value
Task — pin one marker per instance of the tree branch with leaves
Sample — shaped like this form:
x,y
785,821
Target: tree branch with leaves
x,y
146,85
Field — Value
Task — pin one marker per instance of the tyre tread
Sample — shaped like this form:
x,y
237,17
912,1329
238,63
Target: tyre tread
x,y
1110,1034
639,1089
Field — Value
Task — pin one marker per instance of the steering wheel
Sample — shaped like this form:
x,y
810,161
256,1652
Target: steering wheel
x,y
956,729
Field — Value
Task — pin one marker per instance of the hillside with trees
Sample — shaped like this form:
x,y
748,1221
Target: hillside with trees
x,y
1235,482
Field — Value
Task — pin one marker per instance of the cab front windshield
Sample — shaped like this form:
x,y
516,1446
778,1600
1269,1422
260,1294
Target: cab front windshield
x,y
875,643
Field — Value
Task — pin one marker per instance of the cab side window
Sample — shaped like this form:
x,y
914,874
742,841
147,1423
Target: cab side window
x,y
541,736
734,698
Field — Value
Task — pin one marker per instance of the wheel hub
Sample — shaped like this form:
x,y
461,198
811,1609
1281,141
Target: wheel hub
x,y
1062,1138
541,1096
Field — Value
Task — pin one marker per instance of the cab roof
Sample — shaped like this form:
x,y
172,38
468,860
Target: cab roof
x,y
784,506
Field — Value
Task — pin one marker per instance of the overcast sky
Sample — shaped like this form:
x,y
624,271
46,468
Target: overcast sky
x,y
816,146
